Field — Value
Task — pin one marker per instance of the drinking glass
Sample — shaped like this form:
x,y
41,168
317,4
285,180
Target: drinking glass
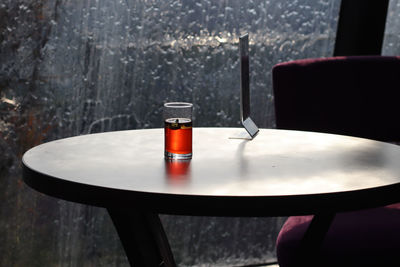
x,y
178,130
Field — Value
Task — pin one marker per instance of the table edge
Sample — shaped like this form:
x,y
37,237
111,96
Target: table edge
x,y
226,206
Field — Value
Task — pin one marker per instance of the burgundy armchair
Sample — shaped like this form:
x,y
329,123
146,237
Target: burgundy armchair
x,y
357,96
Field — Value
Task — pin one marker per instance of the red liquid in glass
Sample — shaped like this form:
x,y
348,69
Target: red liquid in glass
x,y
178,136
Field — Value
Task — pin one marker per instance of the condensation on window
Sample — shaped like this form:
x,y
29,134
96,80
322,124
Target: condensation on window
x,y
72,67
391,42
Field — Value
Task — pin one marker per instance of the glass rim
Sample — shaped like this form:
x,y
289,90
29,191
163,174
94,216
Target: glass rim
x,y
178,105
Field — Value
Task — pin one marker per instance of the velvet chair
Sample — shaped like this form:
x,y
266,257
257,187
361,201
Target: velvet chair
x,y
357,96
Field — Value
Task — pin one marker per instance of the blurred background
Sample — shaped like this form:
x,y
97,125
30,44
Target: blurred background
x,y
73,67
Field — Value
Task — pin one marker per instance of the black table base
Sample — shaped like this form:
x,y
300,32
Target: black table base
x,y
143,238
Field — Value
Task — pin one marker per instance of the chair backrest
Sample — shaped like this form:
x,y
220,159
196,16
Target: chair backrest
x,y
358,96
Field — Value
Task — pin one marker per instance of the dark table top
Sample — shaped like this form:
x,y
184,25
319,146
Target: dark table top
x,y
279,173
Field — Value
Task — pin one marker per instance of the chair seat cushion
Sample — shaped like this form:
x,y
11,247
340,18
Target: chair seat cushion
x,y
368,237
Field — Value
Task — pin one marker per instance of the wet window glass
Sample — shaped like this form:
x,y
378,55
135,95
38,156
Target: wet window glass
x,y
391,42
73,67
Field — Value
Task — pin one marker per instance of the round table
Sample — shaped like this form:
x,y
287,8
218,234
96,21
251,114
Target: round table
x,y
279,173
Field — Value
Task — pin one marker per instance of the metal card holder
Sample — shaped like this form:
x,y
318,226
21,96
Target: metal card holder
x,y
245,119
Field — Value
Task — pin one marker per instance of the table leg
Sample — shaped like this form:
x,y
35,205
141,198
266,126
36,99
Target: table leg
x,y
309,252
143,238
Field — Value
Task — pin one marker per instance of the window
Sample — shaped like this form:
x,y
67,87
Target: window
x,y
71,67
391,42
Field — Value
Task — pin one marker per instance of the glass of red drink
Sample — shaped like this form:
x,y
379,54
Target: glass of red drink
x,y
178,130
